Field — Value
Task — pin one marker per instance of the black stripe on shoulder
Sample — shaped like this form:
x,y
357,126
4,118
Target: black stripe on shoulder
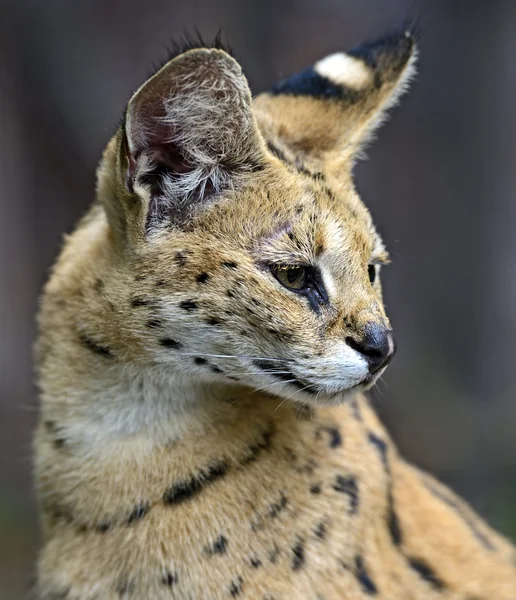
x,y
363,577
426,572
184,490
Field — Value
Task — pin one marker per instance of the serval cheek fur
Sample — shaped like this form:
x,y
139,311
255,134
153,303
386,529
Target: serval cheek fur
x,y
205,338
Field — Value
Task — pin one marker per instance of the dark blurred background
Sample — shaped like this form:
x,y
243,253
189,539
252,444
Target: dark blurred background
x,y
441,182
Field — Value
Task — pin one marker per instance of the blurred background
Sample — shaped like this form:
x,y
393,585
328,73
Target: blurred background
x,y
440,180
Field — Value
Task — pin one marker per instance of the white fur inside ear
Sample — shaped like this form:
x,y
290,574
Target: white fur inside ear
x,y
343,69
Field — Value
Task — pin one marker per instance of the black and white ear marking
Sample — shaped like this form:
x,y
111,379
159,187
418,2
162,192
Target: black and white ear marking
x,y
331,109
189,132
345,70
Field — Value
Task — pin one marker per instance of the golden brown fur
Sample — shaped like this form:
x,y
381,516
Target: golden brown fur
x,y
203,434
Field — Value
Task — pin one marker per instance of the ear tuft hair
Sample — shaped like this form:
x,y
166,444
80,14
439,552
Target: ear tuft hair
x,y
191,41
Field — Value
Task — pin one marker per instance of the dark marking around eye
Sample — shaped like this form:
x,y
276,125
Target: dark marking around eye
x,y
229,264
298,555
138,513
188,305
136,302
93,346
184,490
169,579
348,485
202,277
236,587
363,577
426,572
219,546
170,343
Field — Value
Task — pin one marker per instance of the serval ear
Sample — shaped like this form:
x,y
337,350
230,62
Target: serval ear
x,y
189,134
321,118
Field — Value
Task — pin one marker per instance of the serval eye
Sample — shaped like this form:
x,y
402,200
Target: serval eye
x,y
372,273
293,278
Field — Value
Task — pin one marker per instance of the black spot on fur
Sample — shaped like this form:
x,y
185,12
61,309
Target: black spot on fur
x,y
393,522
315,489
154,323
320,530
216,369
104,526
138,513
169,579
348,485
202,277
93,346
260,445
277,507
180,259
136,302
184,490
255,562
273,554
188,305
426,572
219,546
230,294
355,409
98,286
200,361
229,264
236,587
381,446
363,577
298,555
213,321
335,439
170,343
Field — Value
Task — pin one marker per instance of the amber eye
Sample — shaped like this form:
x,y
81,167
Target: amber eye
x,y
292,277
372,273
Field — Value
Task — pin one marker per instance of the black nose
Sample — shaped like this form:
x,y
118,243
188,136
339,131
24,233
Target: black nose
x,y
377,346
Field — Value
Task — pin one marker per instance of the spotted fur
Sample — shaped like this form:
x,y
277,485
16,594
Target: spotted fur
x,y
203,433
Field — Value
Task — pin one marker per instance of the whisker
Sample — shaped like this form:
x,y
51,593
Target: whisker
x,y
265,387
